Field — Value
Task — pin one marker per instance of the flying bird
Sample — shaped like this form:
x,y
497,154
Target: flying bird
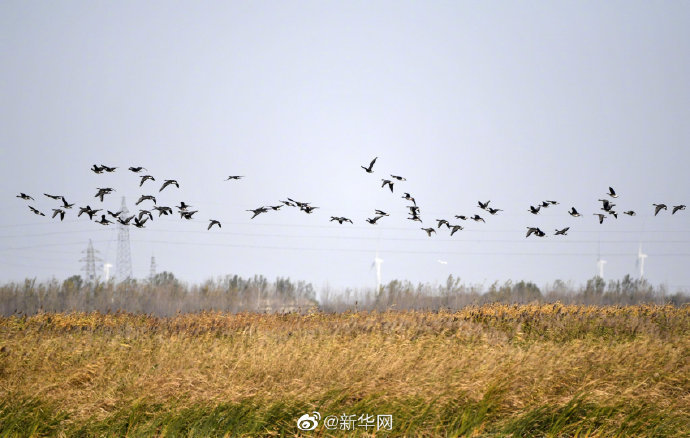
x,y
477,218
563,232
184,206
58,211
137,169
115,215
483,205
143,213
258,211
601,217
98,169
373,220
146,198
408,197
108,169
612,193
493,210
36,211
234,177
442,222
658,208
454,228
371,166
125,221
389,182
139,223
574,212
212,223
88,210
103,220
381,213
461,217
533,209
188,214
429,231
340,219
65,204
102,192
399,178
536,231
162,210
629,213
169,182
58,197
677,208
145,178
308,209
25,197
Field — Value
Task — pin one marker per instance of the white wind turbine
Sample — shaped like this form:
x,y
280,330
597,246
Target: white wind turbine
x,y
106,270
600,266
640,260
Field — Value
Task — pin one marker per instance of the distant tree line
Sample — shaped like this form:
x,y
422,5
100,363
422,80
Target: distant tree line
x,y
166,295
452,295
161,295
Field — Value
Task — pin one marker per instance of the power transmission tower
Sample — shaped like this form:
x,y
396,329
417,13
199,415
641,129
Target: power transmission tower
x,y
123,269
152,272
90,263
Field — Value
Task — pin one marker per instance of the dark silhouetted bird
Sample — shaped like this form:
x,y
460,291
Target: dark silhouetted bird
x,y
88,210
551,202
477,218
102,192
58,197
374,219
125,221
606,205
234,177
98,169
275,207
389,182
613,213
677,208
116,215
108,169
145,178
442,222
184,206
137,169
536,231
381,213
289,204
461,217
188,214
36,211
103,220
169,182
163,210
308,209
58,211
399,178
408,197
454,228
563,232
139,223
429,231
25,197
483,205
612,193
65,204
258,211
370,169
340,219
601,217
629,213
212,223
143,213
658,208
493,210
574,212
146,198
533,209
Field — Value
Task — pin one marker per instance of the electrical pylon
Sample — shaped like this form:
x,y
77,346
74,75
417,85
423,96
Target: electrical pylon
x,y
123,265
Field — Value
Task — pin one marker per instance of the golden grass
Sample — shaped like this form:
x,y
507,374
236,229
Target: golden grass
x,y
93,364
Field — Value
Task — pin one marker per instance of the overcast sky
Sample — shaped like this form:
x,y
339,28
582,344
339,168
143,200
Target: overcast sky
x,y
513,102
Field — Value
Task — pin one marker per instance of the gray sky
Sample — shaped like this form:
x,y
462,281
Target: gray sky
x,y
516,102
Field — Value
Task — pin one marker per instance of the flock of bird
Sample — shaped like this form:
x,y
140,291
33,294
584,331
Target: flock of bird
x,y
184,210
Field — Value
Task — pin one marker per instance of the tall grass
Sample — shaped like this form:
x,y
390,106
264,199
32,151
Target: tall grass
x,y
494,370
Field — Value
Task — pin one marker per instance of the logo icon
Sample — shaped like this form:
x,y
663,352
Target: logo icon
x,y
308,422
